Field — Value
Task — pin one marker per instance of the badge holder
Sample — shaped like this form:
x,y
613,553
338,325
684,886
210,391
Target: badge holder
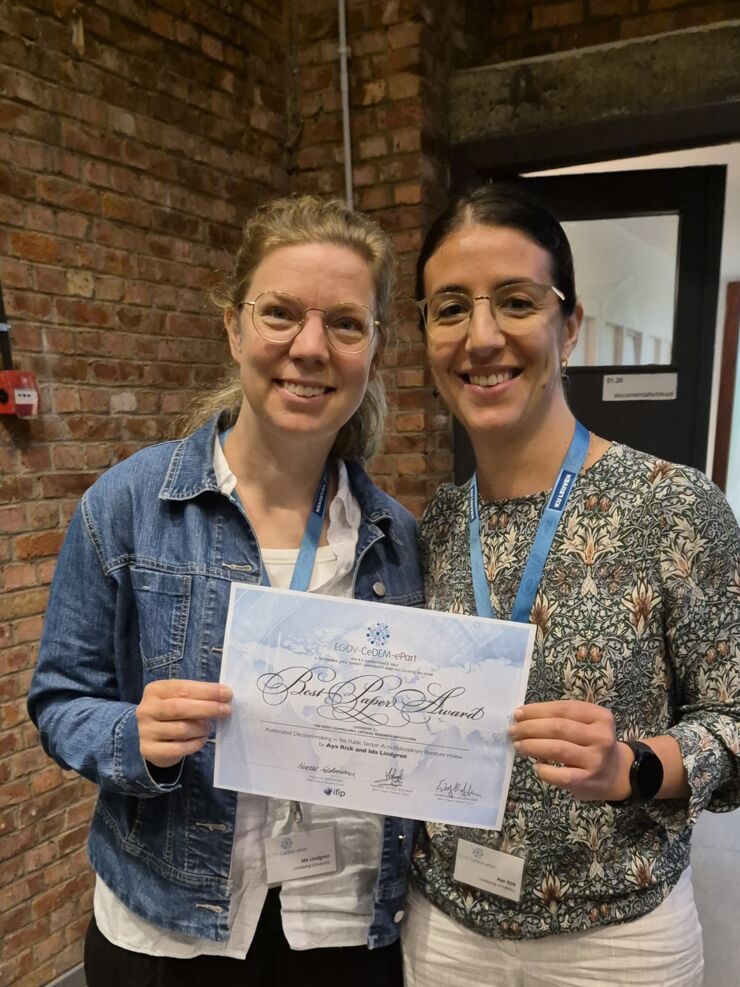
x,y
304,852
489,869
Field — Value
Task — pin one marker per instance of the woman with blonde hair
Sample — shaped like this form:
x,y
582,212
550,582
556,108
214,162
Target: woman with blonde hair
x,y
127,685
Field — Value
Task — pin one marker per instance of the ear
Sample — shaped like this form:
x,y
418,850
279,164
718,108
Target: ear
x,y
234,332
571,329
377,359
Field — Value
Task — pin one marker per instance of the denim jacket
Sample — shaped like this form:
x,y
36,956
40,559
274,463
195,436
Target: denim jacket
x,y
141,592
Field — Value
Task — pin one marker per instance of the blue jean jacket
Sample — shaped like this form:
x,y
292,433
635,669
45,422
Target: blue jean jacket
x,y
141,592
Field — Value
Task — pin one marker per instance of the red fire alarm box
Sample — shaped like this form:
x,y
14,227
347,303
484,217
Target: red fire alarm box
x,y
19,392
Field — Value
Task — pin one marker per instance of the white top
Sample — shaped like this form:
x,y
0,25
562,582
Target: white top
x,y
328,910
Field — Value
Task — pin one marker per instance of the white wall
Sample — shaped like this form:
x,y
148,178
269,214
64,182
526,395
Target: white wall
x,y
716,845
626,276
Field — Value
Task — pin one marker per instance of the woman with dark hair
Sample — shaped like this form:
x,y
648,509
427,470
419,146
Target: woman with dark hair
x,y
127,685
630,569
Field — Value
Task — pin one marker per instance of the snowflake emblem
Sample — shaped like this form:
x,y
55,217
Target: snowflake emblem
x,y
378,634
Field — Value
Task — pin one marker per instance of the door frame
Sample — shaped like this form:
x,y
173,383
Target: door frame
x,y
726,397
507,155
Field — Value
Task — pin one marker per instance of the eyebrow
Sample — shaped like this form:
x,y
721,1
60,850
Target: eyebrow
x,y
501,284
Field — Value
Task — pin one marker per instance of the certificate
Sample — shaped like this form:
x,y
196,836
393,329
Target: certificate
x,y
380,708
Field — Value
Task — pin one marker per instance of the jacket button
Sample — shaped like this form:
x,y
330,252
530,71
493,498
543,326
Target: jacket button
x,y
379,588
398,916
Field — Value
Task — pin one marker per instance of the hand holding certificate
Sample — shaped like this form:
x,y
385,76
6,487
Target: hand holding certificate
x,y
385,709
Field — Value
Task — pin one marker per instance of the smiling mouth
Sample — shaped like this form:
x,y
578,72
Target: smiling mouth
x,y
304,390
490,380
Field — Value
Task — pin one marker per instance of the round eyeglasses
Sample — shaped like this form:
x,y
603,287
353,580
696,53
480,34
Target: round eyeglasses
x,y
279,317
516,307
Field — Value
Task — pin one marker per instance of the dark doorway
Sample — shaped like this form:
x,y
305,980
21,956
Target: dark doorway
x,y
649,388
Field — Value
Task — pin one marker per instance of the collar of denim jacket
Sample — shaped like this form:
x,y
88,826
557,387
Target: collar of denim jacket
x,y
191,473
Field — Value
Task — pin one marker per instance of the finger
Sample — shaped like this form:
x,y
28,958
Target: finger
x,y
572,780
189,689
165,755
188,709
572,731
569,755
571,709
166,731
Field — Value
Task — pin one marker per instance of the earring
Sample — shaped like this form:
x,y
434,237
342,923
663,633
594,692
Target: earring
x,y
564,369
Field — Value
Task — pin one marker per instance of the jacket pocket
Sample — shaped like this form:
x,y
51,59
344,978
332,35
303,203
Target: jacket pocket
x,y
163,606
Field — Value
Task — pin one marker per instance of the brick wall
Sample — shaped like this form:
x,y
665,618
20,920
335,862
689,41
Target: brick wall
x,y
526,28
402,52
133,137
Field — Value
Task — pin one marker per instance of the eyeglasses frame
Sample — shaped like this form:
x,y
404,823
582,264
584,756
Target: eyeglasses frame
x,y
422,305
376,325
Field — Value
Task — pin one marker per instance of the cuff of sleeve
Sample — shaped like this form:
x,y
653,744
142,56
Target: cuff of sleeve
x,y
131,772
711,767
705,762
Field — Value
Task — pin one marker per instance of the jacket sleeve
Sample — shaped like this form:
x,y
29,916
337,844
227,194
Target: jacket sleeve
x,y
701,579
75,700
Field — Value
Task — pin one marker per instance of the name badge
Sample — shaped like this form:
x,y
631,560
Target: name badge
x,y
303,853
490,870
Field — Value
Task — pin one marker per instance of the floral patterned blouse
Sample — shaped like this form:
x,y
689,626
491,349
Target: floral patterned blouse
x,y
638,609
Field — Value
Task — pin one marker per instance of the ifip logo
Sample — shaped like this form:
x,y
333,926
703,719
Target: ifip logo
x,y
378,634
286,844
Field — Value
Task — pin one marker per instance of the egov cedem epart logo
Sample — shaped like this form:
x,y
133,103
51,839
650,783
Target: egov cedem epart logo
x,y
378,634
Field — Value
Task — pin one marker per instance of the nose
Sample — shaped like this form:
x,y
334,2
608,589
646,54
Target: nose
x,y
484,332
311,344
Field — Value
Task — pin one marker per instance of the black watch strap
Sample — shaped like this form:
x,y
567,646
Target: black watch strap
x,y
646,773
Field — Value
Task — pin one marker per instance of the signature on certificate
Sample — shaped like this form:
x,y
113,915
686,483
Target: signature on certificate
x,y
457,789
392,777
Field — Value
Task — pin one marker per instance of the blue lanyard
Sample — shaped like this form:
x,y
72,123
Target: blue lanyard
x,y
571,467
301,577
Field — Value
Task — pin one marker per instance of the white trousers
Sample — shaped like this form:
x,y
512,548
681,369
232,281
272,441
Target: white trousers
x,y
660,949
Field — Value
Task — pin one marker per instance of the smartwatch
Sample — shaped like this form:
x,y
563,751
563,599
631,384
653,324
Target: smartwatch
x,y
646,772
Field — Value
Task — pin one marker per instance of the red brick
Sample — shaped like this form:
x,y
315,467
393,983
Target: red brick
x,y
556,14
24,937
410,422
646,24
50,947
38,545
12,714
404,85
613,8
65,399
27,761
36,217
69,195
212,47
162,23
18,968
15,792
18,659
405,35
66,484
18,576
15,488
35,247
